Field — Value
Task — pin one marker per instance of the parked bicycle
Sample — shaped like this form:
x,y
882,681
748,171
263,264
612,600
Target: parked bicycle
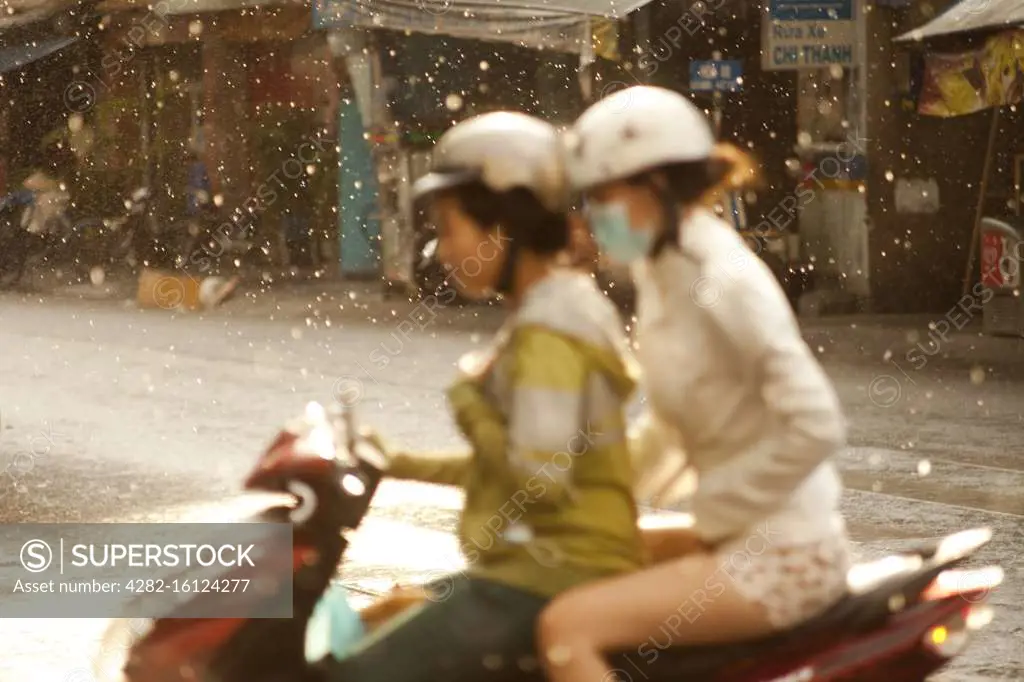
x,y
37,225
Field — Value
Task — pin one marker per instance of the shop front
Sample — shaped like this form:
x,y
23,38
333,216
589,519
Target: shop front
x,y
970,78
415,72
824,46
36,62
431,83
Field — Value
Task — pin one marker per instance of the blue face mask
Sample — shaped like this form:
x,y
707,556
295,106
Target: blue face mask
x,y
618,240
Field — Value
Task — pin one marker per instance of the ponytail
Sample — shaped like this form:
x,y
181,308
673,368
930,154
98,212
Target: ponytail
x,y
699,183
727,169
739,170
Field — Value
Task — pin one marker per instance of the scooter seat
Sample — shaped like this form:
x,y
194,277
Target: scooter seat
x,y
867,607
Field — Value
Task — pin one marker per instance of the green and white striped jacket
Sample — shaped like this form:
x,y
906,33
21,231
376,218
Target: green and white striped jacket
x,y
548,484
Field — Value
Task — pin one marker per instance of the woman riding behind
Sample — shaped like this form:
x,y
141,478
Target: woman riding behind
x,y
729,381
547,480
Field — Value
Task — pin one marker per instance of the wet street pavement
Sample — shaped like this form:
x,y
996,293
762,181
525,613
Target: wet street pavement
x,y
110,413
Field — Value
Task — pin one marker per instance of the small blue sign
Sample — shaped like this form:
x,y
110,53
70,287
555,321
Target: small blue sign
x,y
328,14
715,75
810,10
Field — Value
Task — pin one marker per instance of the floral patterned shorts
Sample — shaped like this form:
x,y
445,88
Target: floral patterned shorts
x,y
794,583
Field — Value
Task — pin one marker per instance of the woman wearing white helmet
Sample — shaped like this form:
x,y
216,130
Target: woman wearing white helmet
x,y
548,482
728,379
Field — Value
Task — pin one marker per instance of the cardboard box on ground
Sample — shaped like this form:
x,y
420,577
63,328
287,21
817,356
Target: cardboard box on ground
x,y
170,290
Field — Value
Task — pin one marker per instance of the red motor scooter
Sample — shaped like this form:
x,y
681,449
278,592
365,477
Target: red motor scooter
x,y
904,618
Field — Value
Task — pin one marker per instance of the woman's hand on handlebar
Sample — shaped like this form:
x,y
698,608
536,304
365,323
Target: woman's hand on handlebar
x,y
370,446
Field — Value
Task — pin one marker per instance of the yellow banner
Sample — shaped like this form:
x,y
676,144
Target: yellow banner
x,y
958,84
605,35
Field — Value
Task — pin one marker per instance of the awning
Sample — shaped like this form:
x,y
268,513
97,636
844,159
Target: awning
x,y
970,16
13,58
204,6
31,16
561,25
185,7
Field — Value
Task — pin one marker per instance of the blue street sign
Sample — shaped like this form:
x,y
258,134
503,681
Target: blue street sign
x,y
716,75
811,10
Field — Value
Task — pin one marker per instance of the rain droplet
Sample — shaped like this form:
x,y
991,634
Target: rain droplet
x,y
453,102
484,66
519,534
559,655
296,333
97,276
890,176
924,467
887,356
977,375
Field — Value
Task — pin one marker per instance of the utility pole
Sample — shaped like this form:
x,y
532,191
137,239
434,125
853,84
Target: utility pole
x,y
716,98
642,39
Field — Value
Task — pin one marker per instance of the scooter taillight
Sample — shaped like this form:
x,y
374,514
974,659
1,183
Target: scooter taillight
x,y
951,637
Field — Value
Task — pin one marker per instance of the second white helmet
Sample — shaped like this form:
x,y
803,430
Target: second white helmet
x,y
635,130
503,150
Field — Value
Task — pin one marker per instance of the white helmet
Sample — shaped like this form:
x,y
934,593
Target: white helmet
x,y
503,150
634,130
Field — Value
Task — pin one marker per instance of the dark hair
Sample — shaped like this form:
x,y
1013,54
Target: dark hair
x,y
518,211
728,169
